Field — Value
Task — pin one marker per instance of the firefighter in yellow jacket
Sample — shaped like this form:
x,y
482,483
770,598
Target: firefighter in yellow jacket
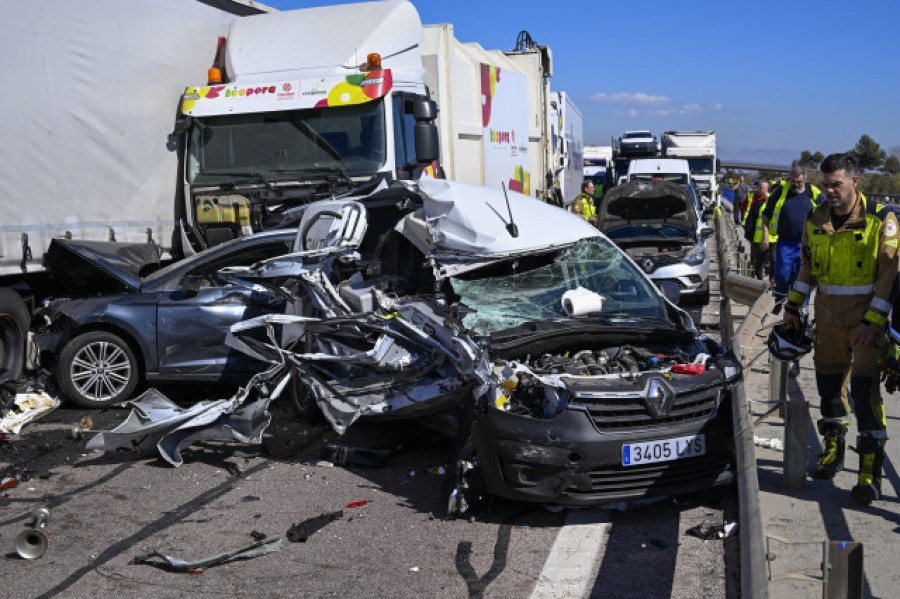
x,y
849,255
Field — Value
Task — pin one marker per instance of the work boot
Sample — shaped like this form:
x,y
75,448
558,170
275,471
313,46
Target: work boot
x,y
871,459
831,461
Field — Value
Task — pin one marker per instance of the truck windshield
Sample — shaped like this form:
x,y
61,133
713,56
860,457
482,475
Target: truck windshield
x,y
348,139
701,166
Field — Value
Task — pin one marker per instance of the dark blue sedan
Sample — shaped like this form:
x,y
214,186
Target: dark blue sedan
x,y
121,329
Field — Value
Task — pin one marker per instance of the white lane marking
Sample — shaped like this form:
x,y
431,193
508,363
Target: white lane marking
x,y
571,566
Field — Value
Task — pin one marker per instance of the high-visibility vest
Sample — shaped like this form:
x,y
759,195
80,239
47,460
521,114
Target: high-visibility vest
x,y
846,263
588,210
758,228
773,224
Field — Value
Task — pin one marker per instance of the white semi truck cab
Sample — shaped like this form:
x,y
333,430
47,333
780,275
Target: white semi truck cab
x,y
301,105
699,149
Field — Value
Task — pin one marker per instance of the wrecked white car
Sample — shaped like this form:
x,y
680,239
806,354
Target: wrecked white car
x,y
579,382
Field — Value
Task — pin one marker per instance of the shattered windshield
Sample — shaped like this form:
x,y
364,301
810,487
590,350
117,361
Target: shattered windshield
x,y
513,292
273,145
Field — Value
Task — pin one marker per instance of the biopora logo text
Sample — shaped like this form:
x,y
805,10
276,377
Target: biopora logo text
x,y
249,91
502,137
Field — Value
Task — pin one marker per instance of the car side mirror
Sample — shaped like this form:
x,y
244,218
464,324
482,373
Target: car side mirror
x,y
190,285
670,290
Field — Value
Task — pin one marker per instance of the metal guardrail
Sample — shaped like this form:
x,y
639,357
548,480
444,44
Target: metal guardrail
x,y
754,568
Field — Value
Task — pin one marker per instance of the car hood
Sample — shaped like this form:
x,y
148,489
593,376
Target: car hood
x,y
647,201
464,226
88,267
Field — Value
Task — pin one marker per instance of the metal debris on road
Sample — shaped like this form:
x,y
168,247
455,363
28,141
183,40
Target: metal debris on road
x,y
261,547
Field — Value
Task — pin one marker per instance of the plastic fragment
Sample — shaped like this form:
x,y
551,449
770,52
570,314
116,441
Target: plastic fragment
x,y
773,443
356,503
689,368
9,482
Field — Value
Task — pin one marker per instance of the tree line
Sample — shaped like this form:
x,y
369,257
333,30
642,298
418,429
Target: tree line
x,y
881,167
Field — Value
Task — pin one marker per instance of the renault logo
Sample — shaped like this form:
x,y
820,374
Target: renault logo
x,y
659,398
647,264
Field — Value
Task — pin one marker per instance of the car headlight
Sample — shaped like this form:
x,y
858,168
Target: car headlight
x,y
696,255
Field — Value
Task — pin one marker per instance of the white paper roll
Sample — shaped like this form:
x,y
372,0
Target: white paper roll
x,y
581,301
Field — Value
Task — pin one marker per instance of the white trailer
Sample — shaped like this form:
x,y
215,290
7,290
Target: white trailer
x,y
699,149
567,142
85,149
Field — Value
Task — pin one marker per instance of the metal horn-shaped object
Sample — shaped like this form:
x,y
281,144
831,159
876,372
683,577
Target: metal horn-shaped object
x,y
32,543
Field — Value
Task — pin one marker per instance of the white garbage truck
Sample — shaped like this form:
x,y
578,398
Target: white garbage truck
x,y
309,103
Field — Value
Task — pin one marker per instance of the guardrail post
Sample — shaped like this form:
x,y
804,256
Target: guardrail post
x,y
778,382
796,438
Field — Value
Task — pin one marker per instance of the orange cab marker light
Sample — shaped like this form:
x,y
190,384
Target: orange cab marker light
x,y
213,76
373,61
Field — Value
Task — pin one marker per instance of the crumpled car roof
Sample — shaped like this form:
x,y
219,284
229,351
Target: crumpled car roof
x,y
463,220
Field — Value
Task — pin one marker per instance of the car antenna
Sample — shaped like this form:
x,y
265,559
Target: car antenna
x,y
511,227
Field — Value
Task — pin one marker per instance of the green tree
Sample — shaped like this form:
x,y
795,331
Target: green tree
x,y
810,160
891,165
869,153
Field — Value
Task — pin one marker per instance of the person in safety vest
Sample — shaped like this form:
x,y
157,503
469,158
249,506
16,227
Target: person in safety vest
x,y
583,205
759,259
783,220
849,255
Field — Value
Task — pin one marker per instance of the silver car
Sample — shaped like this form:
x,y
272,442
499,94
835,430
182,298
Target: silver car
x,y
657,224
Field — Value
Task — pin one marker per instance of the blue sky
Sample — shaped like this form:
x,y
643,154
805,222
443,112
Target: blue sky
x,y
772,78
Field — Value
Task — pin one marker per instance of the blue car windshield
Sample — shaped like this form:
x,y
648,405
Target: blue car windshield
x,y
512,292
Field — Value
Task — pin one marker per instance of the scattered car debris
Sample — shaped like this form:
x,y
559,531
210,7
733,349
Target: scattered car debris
x,y
156,421
28,407
32,543
344,455
773,443
260,547
300,532
710,531
357,503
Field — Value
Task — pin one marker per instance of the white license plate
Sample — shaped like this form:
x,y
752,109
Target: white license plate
x,y
664,450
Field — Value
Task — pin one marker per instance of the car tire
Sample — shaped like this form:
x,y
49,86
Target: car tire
x,y
97,369
301,399
14,323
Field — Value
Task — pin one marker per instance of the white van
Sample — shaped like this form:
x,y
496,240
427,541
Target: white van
x,y
676,170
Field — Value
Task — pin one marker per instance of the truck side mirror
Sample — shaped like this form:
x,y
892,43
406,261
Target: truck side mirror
x,y
424,109
428,146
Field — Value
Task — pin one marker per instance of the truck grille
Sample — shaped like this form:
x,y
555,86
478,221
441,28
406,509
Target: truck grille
x,y
612,413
